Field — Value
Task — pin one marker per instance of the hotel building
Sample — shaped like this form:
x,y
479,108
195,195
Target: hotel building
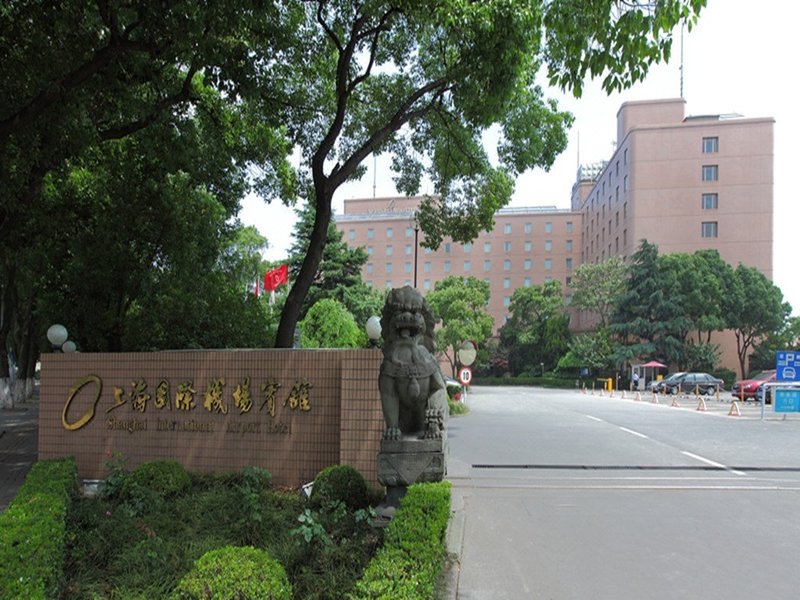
x,y
681,182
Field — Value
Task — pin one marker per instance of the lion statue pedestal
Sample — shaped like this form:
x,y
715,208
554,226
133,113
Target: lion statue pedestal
x,y
413,397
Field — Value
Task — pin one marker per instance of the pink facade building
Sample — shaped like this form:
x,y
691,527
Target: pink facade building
x,y
681,182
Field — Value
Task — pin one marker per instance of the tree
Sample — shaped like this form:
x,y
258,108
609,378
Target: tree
x,y
597,286
754,309
460,305
591,350
537,330
425,81
649,317
329,325
338,273
764,351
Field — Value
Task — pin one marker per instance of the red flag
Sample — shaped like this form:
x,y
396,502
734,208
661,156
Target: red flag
x,y
272,279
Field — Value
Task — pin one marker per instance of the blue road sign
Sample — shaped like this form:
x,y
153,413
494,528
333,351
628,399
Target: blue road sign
x,y
787,366
787,400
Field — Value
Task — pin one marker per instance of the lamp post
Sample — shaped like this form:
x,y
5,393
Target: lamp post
x,y
415,225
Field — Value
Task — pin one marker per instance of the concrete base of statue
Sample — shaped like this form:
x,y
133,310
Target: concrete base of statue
x,y
404,462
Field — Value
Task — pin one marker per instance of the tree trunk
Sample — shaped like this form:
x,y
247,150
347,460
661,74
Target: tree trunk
x,y
311,262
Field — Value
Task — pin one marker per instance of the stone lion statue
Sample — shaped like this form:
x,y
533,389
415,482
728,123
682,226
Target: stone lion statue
x,y
412,389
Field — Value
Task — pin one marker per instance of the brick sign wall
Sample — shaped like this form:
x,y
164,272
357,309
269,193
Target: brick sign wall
x,y
292,412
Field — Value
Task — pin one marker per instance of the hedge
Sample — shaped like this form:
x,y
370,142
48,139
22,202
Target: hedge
x,y
408,564
32,532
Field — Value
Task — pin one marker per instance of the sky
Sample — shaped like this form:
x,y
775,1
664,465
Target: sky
x,y
739,58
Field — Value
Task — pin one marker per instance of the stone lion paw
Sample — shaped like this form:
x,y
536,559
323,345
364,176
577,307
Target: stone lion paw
x,y
392,433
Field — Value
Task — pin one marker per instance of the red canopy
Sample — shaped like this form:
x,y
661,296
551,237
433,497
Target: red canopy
x,y
654,364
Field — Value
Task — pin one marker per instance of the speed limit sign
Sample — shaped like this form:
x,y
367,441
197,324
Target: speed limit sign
x,y
465,375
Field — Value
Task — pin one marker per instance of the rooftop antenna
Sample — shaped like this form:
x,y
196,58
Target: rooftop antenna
x,y
374,173
681,67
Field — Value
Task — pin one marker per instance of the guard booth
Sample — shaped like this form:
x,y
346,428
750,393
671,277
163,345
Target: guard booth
x,y
642,371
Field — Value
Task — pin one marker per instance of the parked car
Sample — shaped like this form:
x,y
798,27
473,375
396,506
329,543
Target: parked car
x,y
747,389
689,382
661,386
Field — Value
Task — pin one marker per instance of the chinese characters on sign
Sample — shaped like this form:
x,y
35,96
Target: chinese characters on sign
x,y
213,400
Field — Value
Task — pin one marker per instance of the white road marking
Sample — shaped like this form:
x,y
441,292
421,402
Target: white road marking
x,y
636,433
595,419
712,463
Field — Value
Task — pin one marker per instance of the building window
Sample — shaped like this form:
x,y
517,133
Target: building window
x,y
487,265
389,250
408,267
548,227
625,210
388,267
710,145
568,299
528,264
527,282
710,201
625,183
528,246
506,265
369,250
548,245
389,232
709,229
616,244
507,301
427,284
624,237
569,264
467,265
625,156
506,283
409,231
370,268
568,280
487,247
507,228
528,227
447,266
370,233
427,266
569,226
548,264
351,234
710,172
447,246
548,279
569,246
507,246
388,284
467,248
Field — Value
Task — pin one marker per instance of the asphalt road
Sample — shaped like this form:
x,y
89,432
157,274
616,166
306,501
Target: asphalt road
x,y
569,496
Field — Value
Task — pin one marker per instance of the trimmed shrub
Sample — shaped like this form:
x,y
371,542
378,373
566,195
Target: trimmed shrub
x,y
408,565
164,477
243,573
339,483
32,531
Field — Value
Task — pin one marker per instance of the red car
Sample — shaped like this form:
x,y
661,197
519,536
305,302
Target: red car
x,y
747,389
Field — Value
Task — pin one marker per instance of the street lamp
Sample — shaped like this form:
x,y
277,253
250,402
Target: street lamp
x,y
57,336
414,223
373,330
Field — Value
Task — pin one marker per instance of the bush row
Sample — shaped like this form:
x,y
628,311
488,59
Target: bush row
x,y
413,553
546,381
32,531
